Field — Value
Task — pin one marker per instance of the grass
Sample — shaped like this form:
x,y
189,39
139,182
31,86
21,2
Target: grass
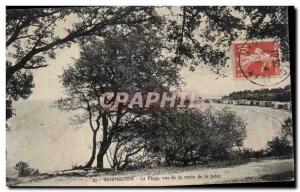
x,y
278,177
285,176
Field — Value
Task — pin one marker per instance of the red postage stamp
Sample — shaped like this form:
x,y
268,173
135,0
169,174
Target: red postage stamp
x,y
253,59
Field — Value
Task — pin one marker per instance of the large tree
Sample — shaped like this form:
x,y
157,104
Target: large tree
x,y
127,59
33,35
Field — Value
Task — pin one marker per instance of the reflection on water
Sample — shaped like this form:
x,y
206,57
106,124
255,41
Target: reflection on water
x,y
44,136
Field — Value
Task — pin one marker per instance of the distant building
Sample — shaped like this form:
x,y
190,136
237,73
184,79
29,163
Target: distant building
x,y
271,104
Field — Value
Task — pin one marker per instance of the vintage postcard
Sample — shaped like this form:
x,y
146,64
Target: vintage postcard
x,y
149,96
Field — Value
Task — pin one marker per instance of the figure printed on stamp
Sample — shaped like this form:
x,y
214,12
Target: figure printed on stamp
x,y
257,59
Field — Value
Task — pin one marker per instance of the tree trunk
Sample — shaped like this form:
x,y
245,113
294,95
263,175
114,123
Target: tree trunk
x,y
107,138
92,159
104,143
100,158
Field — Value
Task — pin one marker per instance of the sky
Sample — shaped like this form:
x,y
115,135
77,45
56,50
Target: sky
x,y
202,82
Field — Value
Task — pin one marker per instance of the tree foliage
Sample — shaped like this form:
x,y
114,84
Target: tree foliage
x,y
275,94
127,60
24,169
33,35
188,137
204,34
287,128
283,144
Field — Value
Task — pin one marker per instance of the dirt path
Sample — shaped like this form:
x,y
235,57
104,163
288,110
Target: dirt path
x,y
174,176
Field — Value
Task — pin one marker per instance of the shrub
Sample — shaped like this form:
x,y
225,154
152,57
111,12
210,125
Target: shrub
x,y
279,146
282,145
180,138
246,154
188,137
24,169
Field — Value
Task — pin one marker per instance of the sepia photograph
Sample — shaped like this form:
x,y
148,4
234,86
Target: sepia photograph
x,y
149,96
